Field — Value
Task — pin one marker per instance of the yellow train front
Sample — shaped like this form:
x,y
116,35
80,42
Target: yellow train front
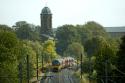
x,y
56,65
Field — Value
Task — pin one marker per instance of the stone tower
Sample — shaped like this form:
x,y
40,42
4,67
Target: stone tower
x,y
46,24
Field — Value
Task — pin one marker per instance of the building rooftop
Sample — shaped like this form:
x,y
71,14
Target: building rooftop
x,y
115,29
46,10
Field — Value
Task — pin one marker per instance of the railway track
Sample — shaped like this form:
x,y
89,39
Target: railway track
x,y
63,76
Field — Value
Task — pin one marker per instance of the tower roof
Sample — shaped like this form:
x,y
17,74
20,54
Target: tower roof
x,y
46,10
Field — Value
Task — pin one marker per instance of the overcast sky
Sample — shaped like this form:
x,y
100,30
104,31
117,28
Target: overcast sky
x,y
106,12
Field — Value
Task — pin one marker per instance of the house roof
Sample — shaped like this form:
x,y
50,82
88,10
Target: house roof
x,y
115,29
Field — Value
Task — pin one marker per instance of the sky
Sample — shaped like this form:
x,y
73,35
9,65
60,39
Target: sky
x,y
108,13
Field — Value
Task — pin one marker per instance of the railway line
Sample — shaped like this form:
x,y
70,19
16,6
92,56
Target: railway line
x,y
59,71
64,76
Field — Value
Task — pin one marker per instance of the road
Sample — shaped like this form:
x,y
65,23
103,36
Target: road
x,y
64,76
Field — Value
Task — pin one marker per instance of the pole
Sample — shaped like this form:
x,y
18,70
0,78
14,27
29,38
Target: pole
x,y
106,65
37,65
89,69
106,72
77,62
28,69
42,60
20,72
81,66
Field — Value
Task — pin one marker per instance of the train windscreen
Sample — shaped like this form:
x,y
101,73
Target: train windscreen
x,y
55,62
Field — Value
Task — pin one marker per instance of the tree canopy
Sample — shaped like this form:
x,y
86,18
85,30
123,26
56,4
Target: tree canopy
x,y
27,31
74,50
49,52
67,34
9,52
120,67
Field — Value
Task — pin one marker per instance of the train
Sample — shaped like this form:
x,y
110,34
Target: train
x,y
61,63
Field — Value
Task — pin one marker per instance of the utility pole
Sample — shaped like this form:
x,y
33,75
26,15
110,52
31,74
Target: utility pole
x,y
89,69
42,60
81,66
37,64
77,63
27,69
106,67
20,72
106,72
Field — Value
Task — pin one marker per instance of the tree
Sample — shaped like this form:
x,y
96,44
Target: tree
x,y
95,29
49,52
91,29
9,53
92,46
105,56
37,49
74,50
25,30
8,42
120,67
5,28
65,35
27,48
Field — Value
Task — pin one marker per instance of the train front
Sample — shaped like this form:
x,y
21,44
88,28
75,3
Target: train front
x,y
56,65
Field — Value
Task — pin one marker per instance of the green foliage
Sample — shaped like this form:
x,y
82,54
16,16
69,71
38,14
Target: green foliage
x,y
86,65
5,28
9,65
74,50
70,42
8,56
95,29
8,45
105,57
49,50
66,34
25,30
28,49
120,62
93,45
